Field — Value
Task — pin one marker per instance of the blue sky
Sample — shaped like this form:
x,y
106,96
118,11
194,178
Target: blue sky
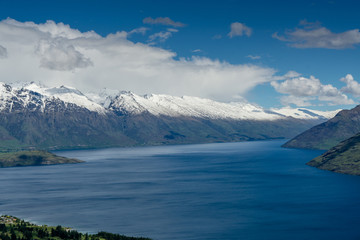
x,y
185,29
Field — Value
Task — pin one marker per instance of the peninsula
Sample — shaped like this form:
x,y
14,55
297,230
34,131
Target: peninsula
x,y
33,158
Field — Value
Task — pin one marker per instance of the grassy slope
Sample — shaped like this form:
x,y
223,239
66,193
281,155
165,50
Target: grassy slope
x,y
343,158
32,158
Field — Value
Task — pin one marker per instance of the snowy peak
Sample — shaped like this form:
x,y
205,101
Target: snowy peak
x,y
12,99
166,105
67,95
127,103
34,97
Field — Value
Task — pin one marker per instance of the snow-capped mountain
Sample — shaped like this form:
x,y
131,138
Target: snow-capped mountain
x,y
35,116
34,97
66,94
166,105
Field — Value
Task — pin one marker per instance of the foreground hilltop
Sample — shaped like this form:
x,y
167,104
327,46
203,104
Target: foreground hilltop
x,y
35,116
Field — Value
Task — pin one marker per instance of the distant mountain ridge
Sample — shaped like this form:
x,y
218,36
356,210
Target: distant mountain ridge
x,y
35,97
34,116
166,105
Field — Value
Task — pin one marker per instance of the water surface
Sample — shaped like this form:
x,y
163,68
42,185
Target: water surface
x,y
249,190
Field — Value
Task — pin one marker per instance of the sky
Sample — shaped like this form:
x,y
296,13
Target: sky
x,y
271,53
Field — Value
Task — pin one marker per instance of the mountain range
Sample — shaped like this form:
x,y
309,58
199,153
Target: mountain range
x,y
35,116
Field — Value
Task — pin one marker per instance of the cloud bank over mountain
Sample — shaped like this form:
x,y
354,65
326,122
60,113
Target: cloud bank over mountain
x,y
55,53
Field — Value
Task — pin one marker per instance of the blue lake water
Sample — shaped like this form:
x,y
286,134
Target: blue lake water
x,y
249,190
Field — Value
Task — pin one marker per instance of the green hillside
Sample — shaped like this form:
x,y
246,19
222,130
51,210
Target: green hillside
x,y
343,158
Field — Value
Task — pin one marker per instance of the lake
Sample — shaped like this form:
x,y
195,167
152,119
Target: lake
x,y
248,190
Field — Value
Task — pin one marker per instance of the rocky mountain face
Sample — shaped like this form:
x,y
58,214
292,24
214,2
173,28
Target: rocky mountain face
x,y
34,116
328,134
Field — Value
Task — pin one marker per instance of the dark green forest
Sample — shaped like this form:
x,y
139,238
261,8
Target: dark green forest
x,y
12,228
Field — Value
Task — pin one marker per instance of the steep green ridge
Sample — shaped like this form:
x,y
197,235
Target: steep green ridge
x,y
343,158
12,228
328,134
32,158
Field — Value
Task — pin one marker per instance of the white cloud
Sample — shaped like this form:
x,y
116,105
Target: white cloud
x,y
239,29
298,101
90,62
162,21
312,35
302,90
196,51
160,36
141,30
58,55
253,57
308,25
352,86
172,30
3,52
292,74
299,87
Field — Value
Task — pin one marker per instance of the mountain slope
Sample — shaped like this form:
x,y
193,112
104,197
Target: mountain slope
x,y
34,116
326,135
29,119
343,158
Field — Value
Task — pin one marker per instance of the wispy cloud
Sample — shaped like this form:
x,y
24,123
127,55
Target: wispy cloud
x,y
196,51
56,54
160,36
141,30
313,35
163,21
253,57
239,29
